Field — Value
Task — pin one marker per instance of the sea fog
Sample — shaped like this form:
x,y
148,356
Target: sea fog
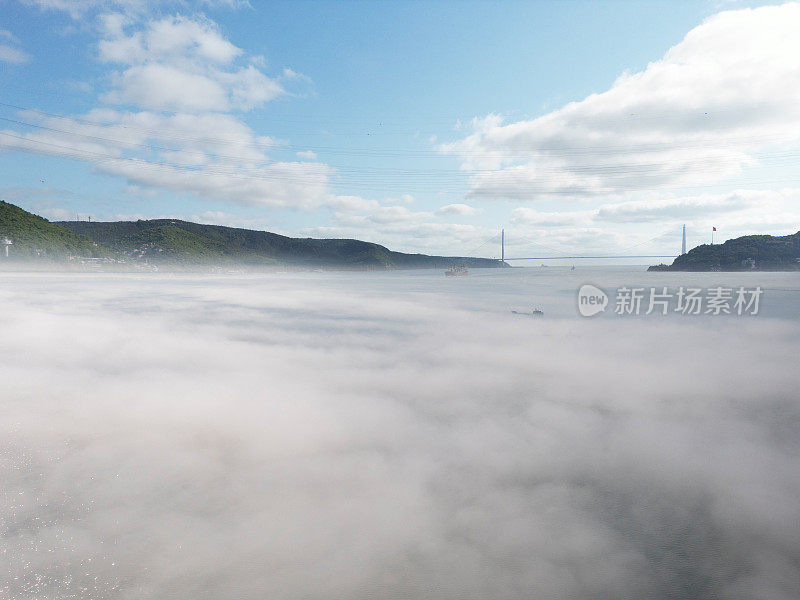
x,y
395,435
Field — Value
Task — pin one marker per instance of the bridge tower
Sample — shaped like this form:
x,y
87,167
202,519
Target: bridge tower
x,y
683,245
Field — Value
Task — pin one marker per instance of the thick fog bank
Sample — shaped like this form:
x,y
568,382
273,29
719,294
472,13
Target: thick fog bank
x,y
341,437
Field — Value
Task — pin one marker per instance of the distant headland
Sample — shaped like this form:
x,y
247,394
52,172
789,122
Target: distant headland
x,y
176,243
747,253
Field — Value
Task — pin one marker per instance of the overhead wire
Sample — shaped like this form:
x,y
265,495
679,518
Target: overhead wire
x,y
365,173
360,177
551,150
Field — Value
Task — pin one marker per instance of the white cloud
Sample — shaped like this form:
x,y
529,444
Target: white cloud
x,y
57,214
670,209
654,223
743,203
215,217
163,87
699,114
183,78
179,39
215,156
180,64
529,216
456,209
307,154
291,75
13,56
278,184
391,214
9,52
420,236
399,228
345,203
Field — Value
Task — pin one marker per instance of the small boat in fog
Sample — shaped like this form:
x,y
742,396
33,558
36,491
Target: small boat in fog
x,y
456,271
536,312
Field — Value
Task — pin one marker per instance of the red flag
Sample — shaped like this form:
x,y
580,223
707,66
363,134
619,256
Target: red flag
x,y
713,229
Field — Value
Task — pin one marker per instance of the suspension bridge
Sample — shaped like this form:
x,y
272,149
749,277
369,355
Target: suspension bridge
x,y
506,259
555,254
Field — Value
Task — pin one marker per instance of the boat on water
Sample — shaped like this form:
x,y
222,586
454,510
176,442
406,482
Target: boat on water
x,y
536,312
457,271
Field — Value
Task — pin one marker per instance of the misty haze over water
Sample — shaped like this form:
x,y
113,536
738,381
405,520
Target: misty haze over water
x,y
395,435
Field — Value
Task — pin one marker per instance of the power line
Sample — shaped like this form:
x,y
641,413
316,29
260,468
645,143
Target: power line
x,y
545,150
436,175
272,172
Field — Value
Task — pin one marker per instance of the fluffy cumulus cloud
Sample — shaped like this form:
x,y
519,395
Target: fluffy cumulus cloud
x,y
712,105
178,85
340,436
180,64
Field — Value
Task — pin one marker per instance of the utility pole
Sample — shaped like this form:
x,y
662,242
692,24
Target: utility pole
x,y
502,247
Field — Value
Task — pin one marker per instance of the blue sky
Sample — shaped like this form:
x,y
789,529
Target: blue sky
x,y
580,127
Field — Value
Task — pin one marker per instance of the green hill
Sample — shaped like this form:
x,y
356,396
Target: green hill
x,y
173,240
35,237
176,242
750,252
